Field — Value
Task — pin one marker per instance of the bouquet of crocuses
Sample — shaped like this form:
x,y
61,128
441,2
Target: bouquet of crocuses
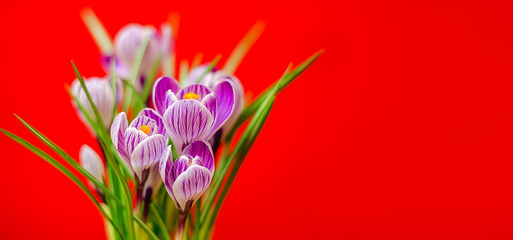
x,y
169,147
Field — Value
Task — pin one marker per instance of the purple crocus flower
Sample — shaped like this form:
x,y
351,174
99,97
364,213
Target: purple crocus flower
x,y
193,113
189,176
142,144
212,79
102,96
127,43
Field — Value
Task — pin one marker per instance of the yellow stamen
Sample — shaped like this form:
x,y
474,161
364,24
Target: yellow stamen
x,y
191,95
145,129
190,162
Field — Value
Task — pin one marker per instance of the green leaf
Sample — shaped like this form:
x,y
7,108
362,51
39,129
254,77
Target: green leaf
x,y
68,159
243,47
98,32
145,228
149,81
62,169
246,139
160,222
281,84
136,66
184,70
114,85
110,150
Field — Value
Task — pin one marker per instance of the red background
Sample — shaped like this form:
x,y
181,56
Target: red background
x,y
401,130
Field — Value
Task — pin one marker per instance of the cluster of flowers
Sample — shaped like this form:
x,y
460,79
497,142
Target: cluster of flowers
x,y
190,117
168,139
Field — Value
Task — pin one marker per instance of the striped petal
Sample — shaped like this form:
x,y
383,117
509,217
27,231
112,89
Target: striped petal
x,y
203,150
133,137
148,153
152,114
190,185
117,134
161,86
225,95
187,121
198,89
102,96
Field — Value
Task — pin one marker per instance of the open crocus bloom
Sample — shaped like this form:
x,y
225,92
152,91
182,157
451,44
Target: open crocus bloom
x,y
212,79
127,43
142,144
92,163
189,176
194,113
102,96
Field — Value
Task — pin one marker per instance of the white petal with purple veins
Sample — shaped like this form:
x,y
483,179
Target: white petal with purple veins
x,y
187,121
147,153
117,134
160,87
190,185
203,150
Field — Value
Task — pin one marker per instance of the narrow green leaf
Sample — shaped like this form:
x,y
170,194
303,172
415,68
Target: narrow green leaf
x,y
145,228
97,30
149,81
68,159
114,85
108,146
160,222
243,47
62,169
287,79
134,71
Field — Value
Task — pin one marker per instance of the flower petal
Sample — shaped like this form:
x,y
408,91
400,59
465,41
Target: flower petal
x,y
203,150
92,163
133,137
117,134
161,86
102,97
150,113
187,121
210,102
198,89
148,153
190,185
225,95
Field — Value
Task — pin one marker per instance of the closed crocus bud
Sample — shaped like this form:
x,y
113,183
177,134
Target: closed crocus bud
x,y
141,144
188,177
128,41
194,113
102,96
92,163
214,79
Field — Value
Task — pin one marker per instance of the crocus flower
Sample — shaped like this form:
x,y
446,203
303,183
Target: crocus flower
x,y
127,43
142,144
212,79
189,176
92,163
194,113
102,96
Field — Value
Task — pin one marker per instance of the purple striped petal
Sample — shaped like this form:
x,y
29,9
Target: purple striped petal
x,y
117,134
202,150
161,86
133,137
187,121
147,153
150,113
198,89
210,102
190,185
165,167
225,95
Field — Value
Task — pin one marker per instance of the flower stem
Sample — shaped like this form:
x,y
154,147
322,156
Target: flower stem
x,y
182,217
